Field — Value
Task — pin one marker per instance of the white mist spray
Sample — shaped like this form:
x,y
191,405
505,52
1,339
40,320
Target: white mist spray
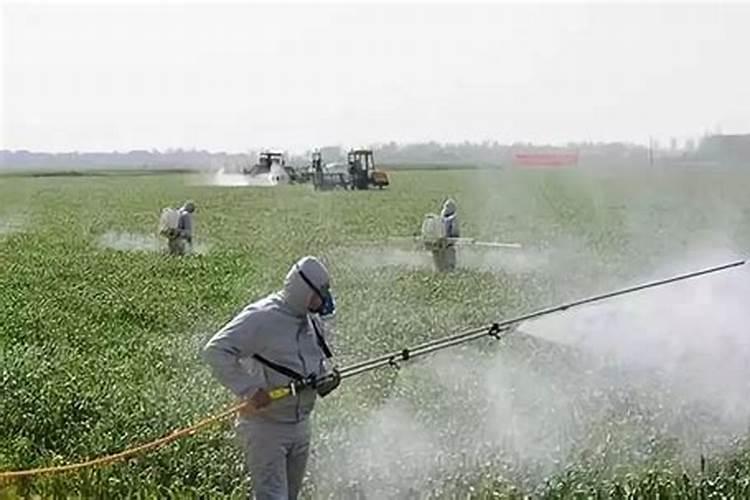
x,y
137,242
661,374
226,178
11,224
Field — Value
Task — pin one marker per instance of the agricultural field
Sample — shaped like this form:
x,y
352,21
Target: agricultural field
x,y
100,334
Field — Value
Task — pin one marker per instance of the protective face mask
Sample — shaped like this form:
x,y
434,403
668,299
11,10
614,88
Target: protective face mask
x,y
328,304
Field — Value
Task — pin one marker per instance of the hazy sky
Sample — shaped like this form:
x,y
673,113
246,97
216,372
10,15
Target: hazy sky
x,y
232,77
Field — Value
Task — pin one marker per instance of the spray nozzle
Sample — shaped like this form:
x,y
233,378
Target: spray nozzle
x,y
494,331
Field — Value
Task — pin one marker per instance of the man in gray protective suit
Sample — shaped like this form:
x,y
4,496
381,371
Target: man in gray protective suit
x,y
183,236
272,343
444,255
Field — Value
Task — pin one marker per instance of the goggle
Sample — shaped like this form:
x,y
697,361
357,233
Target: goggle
x,y
328,304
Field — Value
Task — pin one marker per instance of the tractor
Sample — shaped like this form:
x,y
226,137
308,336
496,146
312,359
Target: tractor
x,y
323,178
271,164
362,170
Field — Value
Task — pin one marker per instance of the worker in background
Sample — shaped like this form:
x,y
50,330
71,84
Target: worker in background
x,y
317,169
352,170
444,255
183,236
272,343
318,162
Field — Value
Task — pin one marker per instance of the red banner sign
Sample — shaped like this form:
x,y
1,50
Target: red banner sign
x,y
545,159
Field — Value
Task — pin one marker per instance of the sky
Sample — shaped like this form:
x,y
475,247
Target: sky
x,y
233,77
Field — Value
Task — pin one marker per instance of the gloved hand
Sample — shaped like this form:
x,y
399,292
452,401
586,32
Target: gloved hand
x,y
259,399
328,383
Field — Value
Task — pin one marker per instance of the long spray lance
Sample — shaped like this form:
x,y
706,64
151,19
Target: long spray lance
x,y
502,328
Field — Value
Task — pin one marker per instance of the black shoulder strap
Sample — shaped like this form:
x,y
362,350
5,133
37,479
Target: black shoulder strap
x,y
288,371
321,341
279,368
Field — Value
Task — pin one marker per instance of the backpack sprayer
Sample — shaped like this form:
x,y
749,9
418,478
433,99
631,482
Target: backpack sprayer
x,y
169,223
497,330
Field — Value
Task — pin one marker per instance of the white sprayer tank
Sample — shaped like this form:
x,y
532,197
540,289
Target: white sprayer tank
x,y
169,221
433,229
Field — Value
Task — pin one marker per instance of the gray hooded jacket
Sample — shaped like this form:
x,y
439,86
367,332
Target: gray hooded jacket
x,y
185,223
280,329
450,219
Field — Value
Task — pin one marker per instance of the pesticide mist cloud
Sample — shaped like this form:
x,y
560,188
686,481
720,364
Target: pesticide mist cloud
x,y
134,242
691,339
509,261
224,178
663,373
12,224
129,242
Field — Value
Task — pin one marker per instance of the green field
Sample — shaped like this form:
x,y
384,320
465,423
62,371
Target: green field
x,y
100,334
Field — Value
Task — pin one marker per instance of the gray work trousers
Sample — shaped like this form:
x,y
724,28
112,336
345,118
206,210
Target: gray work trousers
x,y
444,258
177,246
275,456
